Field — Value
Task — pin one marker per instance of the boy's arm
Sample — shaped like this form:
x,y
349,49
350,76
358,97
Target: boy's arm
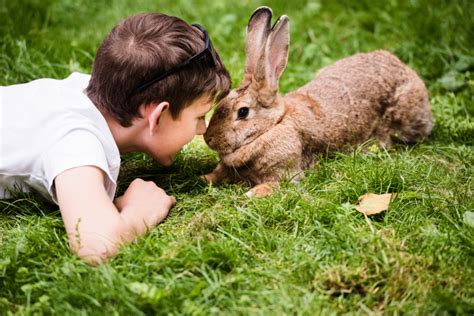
x,y
94,224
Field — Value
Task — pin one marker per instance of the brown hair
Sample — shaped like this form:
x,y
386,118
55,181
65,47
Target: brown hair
x,y
142,46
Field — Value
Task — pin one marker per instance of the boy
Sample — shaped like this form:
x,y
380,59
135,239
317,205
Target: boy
x,y
154,79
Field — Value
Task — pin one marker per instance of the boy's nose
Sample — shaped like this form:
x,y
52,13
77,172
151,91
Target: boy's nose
x,y
202,128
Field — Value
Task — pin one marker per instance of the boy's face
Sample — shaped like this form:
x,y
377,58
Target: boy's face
x,y
173,134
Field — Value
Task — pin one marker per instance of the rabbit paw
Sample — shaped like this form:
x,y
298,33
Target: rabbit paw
x,y
206,178
219,174
260,190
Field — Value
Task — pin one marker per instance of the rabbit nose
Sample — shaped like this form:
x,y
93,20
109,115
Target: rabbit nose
x,y
211,141
208,138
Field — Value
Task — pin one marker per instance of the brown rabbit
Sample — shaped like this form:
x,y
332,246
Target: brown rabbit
x,y
261,136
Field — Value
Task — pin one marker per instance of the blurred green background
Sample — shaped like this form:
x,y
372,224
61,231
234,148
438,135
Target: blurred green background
x,y
303,251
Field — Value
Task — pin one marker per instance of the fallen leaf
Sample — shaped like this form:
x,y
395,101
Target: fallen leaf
x,y
370,204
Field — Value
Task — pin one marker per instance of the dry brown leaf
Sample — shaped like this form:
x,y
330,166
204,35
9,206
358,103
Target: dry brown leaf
x,y
370,204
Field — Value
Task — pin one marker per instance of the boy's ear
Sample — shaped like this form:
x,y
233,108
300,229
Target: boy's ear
x,y
153,114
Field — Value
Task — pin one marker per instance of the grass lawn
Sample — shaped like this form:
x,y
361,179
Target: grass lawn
x,y
303,251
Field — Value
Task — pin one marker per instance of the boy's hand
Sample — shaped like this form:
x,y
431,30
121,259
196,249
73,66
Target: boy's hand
x,y
95,226
144,205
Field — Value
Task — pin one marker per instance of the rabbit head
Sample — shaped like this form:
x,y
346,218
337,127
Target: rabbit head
x,y
255,107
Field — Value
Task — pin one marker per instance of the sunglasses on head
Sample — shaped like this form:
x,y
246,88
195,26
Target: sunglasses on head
x,y
208,50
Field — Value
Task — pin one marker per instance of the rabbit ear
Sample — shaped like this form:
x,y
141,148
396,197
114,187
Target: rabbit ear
x,y
275,56
258,30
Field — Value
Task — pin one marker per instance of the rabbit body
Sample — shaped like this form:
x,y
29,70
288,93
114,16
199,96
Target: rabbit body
x,y
365,96
361,97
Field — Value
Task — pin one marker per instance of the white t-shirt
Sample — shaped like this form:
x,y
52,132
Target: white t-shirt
x,y
48,126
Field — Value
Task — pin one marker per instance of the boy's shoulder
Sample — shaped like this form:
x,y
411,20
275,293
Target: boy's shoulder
x,y
58,127
55,105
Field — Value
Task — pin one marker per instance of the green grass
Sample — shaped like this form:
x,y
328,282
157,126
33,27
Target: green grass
x,y
305,250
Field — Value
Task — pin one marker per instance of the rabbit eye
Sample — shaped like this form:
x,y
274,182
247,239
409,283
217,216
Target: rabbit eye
x,y
243,112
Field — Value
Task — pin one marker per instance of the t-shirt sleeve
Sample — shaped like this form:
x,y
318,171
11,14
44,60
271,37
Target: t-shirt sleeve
x,y
78,148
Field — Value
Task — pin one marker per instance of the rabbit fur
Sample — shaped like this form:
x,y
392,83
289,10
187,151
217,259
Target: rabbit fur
x,y
262,136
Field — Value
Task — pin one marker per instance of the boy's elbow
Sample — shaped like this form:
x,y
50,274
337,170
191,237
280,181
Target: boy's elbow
x,y
95,252
96,248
